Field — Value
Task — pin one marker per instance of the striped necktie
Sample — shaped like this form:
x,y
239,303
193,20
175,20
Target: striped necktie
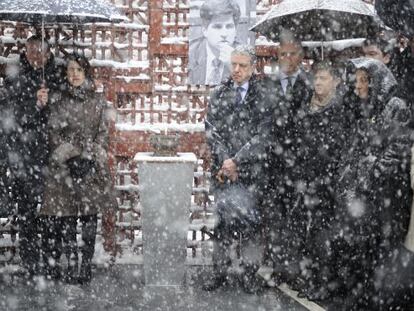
x,y
239,98
289,87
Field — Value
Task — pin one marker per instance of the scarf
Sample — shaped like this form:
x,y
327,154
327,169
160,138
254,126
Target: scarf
x,y
317,104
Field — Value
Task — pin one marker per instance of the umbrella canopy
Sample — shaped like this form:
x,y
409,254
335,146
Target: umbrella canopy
x,y
397,14
337,45
318,20
59,11
74,12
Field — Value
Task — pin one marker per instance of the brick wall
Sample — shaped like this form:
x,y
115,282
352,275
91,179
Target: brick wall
x,y
143,68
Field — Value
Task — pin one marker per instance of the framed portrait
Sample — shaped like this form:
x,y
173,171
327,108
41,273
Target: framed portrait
x,y
216,28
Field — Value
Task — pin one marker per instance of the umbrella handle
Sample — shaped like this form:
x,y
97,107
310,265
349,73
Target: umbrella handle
x,y
322,50
43,52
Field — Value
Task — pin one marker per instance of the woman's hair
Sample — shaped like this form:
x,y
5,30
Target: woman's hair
x,y
84,64
38,39
351,99
364,70
351,76
334,69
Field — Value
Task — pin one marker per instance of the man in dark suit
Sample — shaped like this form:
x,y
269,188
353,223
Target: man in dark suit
x,y
283,231
236,109
209,56
28,85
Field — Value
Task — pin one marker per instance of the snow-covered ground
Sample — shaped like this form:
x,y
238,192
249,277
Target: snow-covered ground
x,y
121,288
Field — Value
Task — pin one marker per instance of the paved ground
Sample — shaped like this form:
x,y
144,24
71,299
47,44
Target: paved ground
x,y
121,288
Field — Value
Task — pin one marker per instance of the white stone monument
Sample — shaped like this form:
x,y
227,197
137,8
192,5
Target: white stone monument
x,y
165,194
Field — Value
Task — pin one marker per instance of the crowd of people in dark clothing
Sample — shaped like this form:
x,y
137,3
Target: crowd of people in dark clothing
x,y
323,159
54,161
315,165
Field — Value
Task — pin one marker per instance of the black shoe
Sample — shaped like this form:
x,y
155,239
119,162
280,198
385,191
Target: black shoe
x,y
214,283
71,276
53,273
276,279
253,284
308,290
303,293
298,284
318,294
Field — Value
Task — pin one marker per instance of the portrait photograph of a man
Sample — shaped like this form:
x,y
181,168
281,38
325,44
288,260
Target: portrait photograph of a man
x,y
216,28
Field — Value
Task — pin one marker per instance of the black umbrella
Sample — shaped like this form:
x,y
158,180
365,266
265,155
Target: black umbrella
x,y
397,14
59,11
74,12
318,20
236,207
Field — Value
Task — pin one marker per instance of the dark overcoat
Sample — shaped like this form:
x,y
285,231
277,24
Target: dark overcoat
x,y
321,139
78,127
373,192
282,168
231,129
28,146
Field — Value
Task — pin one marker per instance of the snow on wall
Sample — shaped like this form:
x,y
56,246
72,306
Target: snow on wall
x,y
125,50
161,127
169,104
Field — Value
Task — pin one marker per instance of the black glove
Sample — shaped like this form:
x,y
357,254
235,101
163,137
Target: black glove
x,y
80,167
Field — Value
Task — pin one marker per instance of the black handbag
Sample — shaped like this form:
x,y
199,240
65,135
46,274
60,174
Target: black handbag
x,y
236,207
80,167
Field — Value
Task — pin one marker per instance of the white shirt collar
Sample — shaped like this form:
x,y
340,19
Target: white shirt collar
x,y
245,87
284,80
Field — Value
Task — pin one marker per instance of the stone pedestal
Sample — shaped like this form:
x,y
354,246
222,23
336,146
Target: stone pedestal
x,y
165,195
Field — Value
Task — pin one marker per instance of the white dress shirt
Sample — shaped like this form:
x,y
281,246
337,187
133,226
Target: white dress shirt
x,y
284,80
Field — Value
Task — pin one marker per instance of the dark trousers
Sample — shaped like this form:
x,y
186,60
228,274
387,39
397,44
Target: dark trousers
x,y
89,227
29,240
285,223
27,198
59,236
238,219
250,247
